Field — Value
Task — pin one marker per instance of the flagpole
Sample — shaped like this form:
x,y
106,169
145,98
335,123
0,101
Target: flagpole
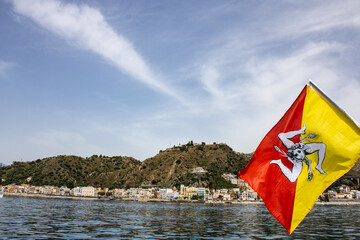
x,y
332,103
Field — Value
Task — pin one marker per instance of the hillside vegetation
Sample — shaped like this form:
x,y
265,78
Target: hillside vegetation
x,y
69,171
174,166
171,167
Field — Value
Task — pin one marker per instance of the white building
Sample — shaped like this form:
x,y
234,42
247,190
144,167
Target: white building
x,y
344,189
88,192
166,193
198,170
232,178
357,195
249,195
76,192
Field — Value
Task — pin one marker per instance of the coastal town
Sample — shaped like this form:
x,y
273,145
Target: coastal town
x,y
242,193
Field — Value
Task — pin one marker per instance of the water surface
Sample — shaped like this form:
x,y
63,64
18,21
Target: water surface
x,y
36,218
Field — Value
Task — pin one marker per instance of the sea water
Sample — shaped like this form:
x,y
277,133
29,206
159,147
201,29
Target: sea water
x,y
36,218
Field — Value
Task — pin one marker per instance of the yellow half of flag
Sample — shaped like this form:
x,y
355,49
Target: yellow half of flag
x,y
332,127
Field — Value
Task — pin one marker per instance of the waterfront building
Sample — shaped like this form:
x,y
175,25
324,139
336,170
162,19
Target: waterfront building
x,y
174,195
188,192
38,189
31,189
121,193
50,190
56,191
165,193
201,191
76,192
227,197
64,191
215,194
357,195
88,191
144,193
249,195
344,189
20,189
223,192
133,192
154,193
332,194
346,195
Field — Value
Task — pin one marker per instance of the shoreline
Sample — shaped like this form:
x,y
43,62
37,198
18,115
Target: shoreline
x,y
34,195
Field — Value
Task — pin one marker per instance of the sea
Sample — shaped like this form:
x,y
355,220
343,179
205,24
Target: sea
x,y
38,218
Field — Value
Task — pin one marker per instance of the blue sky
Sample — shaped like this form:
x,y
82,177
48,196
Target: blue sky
x,y
131,78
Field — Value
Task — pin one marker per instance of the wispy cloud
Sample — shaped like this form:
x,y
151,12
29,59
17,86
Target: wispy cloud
x,y
257,69
238,66
268,80
87,28
211,82
276,78
5,67
258,64
320,18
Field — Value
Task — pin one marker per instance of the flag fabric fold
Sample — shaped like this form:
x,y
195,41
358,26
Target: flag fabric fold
x,y
311,146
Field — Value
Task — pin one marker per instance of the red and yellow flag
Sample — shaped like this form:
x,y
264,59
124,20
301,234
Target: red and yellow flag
x,y
312,145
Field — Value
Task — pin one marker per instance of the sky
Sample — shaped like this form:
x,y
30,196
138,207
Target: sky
x,y
131,78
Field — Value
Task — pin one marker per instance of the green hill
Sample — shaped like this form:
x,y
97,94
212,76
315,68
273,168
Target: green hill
x,y
168,168
69,171
174,166
171,167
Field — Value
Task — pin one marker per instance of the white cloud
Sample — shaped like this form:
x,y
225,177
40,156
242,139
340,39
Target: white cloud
x,y
320,18
278,54
274,78
210,80
271,80
258,72
249,72
87,28
5,67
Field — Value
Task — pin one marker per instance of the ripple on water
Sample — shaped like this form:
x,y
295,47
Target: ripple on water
x,y
32,218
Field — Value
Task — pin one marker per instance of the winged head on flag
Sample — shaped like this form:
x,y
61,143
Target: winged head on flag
x,y
296,154
311,146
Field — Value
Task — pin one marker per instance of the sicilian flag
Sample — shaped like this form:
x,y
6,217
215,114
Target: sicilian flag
x,y
312,145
